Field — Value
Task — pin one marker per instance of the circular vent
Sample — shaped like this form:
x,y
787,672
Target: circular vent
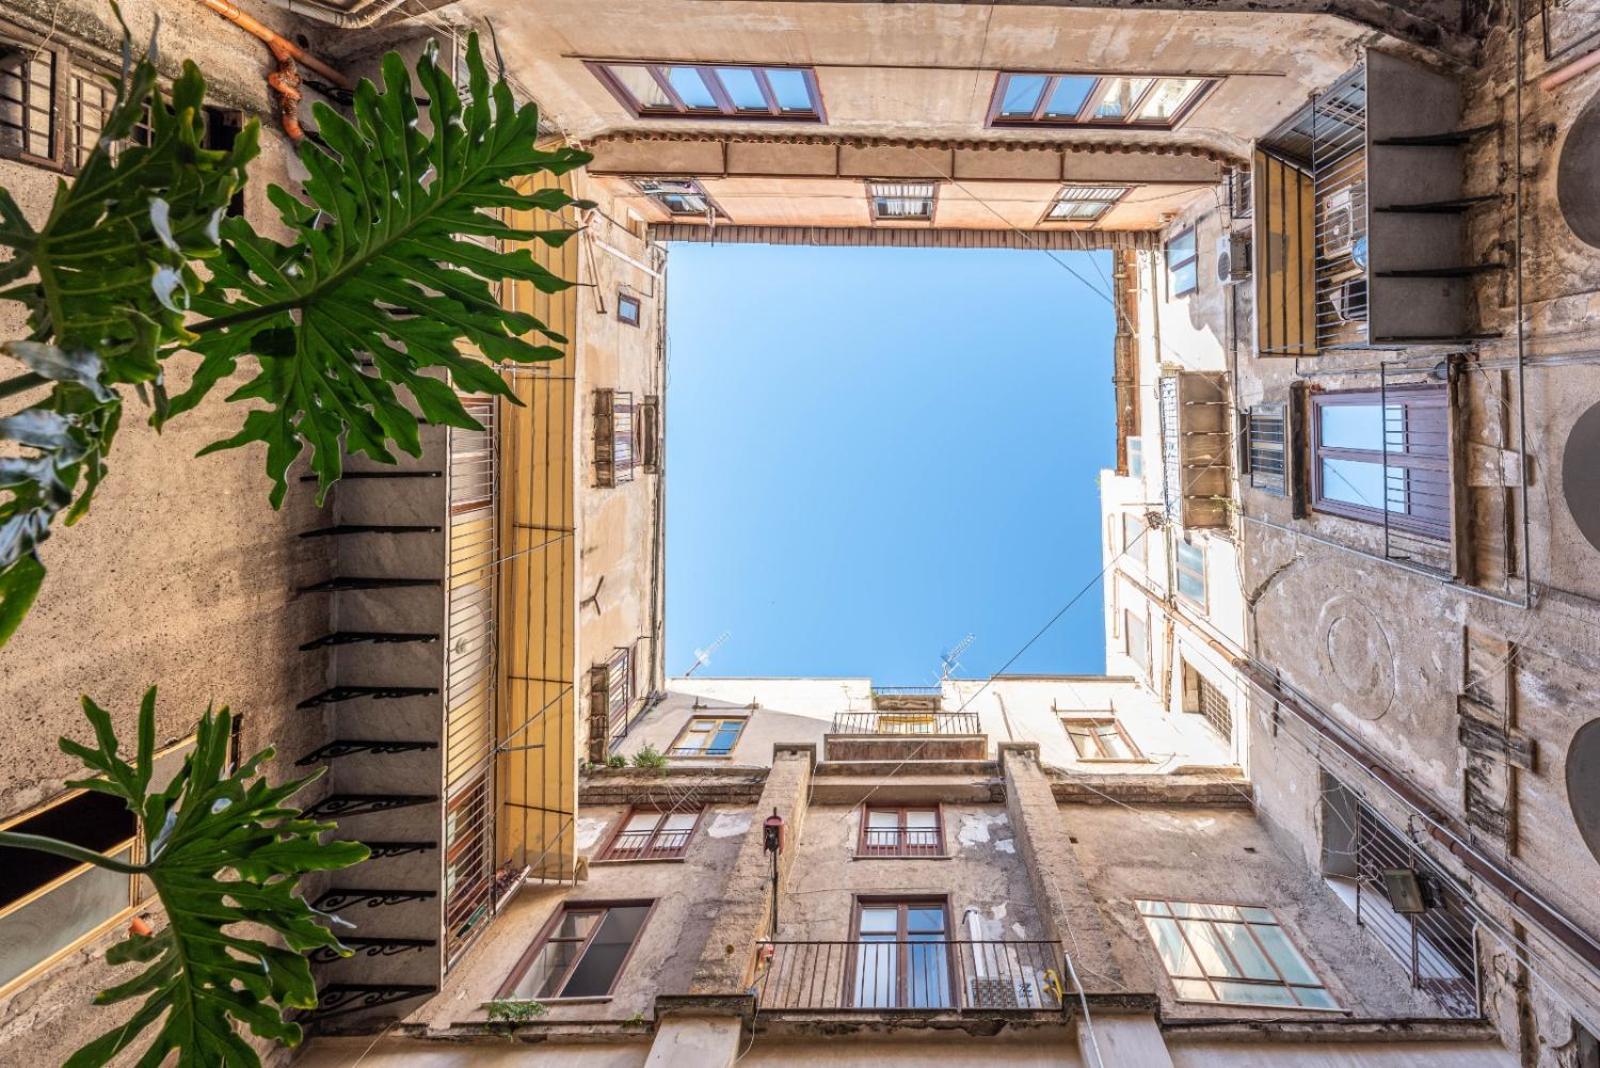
x,y
1580,474
1577,190
1224,264
1583,783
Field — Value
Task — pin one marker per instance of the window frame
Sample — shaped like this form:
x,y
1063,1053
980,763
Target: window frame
x,y
1181,571
625,298
58,105
524,962
1145,665
1108,718
902,902
1278,485
873,197
611,853
724,107
1111,202
902,849
1281,983
1406,397
1136,456
656,196
1193,259
676,750
1091,100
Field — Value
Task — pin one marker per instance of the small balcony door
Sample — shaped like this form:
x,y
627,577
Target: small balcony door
x,y
902,955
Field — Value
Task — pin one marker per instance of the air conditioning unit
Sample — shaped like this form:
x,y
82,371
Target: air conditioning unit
x,y
1003,994
1339,222
1233,258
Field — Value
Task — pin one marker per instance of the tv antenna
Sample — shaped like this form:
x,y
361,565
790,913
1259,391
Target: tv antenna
x,y
703,656
950,659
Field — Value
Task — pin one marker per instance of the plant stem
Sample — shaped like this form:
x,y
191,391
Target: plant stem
x,y
15,840
21,384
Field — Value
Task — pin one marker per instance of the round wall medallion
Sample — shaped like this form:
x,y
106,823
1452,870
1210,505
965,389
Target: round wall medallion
x,y
1578,175
1583,783
1356,652
1580,474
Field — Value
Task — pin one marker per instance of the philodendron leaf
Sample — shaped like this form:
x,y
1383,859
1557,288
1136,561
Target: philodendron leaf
x,y
390,274
226,853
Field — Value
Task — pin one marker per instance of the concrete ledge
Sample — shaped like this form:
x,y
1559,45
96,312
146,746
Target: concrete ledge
x,y
813,1024
906,787
742,1006
1339,1030
735,784
1216,791
588,1032
805,749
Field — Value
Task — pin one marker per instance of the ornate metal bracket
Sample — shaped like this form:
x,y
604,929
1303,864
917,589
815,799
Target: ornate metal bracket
x,y
335,694
341,747
371,947
375,899
336,998
353,582
386,850
361,804
376,637
367,528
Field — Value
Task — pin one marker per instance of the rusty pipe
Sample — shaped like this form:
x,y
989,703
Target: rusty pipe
x,y
282,48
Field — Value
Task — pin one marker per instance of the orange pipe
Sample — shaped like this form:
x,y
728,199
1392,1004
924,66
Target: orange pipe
x,y
282,47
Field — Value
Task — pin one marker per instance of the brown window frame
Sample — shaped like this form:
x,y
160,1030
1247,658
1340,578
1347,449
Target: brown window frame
x,y
901,848
1107,719
615,453
901,941
873,197
531,954
1247,922
676,750
56,103
629,300
724,108
1193,259
1121,193
1436,461
658,197
616,853
1092,99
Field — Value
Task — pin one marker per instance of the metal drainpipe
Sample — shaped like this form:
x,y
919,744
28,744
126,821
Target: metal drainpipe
x,y
285,81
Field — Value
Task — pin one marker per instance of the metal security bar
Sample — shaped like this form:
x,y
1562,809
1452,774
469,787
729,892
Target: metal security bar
x,y
1437,946
613,437
30,86
610,701
1212,704
1171,461
1339,171
905,723
909,974
1267,436
902,842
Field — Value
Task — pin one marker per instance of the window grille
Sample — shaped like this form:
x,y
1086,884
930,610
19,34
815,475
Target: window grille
x,y
613,437
1212,704
901,201
1085,203
1232,954
30,91
1266,457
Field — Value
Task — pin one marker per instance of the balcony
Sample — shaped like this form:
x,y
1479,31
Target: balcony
x,y
908,734
909,975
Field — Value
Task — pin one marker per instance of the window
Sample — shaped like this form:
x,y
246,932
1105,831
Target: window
x,y
1267,438
580,953
651,835
679,196
472,458
93,98
889,831
902,958
1235,955
1183,262
468,863
1192,573
1373,459
610,700
1084,203
1100,738
649,433
901,201
1133,529
708,736
1136,457
1088,99
613,437
30,86
690,90
1136,640
628,309
1204,698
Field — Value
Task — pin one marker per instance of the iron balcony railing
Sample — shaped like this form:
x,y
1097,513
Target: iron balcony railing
x,y
902,842
930,975
648,845
905,723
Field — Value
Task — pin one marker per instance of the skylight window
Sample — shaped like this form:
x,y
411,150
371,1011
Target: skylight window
x,y
692,90
1093,100
679,196
901,201
1085,203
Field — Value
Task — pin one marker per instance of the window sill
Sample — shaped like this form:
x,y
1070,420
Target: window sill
x,y
638,860
1115,760
1254,1005
902,856
597,1000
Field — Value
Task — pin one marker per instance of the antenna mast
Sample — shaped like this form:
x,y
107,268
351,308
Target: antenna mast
x,y
703,656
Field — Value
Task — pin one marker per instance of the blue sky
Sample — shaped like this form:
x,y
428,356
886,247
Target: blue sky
x,y
873,452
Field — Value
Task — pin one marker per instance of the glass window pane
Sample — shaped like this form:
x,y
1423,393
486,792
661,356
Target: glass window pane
x,y
1251,960
922,819
642,86
1067,98
680,821
791,88
1118,96
56,919
880,820
928,978
1352,426
690,87
1314,997
1194,990
1175,954
880,919
1284,955
544,975
925,920
1185,279
1136,457
877,974
1352,481
727,737
1168,98
1208,946
743,88
1252,993
641,822
1257,915
1153,908
1191,587
574,924
1181,247
603,959
1021,94
1112,743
